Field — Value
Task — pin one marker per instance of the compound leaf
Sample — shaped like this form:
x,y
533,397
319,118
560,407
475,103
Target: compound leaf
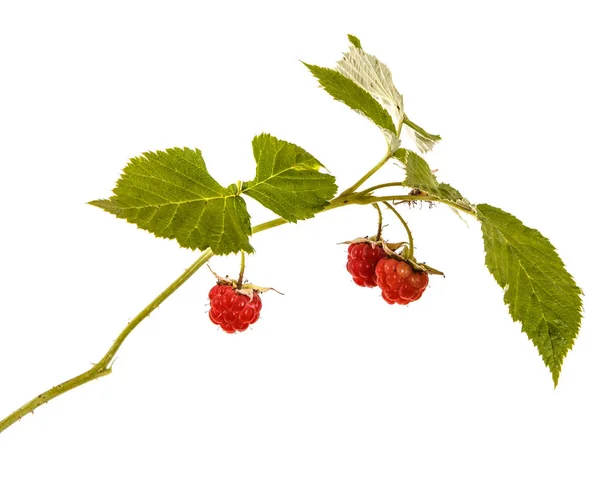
x,y
171,194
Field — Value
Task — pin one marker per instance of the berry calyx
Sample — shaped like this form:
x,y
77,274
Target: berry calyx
x,y
362,260
232,309
399,282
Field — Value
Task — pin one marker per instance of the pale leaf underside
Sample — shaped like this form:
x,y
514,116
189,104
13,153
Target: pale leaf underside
x,y
373,76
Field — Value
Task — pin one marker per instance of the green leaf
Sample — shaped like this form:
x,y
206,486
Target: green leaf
x,y
354,40
288,180
171,194
347,91
538,290
420,176
424,140
375,77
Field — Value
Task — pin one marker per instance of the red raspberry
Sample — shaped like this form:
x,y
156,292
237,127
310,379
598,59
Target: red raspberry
x,y
232,310
362,260
399,283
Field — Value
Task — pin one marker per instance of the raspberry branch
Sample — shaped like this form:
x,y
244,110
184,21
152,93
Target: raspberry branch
x,y
547,293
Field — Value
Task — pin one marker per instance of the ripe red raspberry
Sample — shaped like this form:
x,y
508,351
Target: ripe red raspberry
x,y
232,310
362,260
399,283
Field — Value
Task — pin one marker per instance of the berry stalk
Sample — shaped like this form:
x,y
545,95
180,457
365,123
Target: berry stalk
x,y
411,245
242,269
379,222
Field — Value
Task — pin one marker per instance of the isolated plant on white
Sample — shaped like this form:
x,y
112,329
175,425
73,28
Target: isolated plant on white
x,y
171,194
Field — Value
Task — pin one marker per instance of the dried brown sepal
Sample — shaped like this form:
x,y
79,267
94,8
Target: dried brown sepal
x,y
374,242
246,288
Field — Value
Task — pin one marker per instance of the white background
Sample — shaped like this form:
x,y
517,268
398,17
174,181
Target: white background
x,y
333,391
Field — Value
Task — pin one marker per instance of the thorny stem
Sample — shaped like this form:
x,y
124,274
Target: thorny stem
x,y
380,221
104,366
359,199
242,269
411,247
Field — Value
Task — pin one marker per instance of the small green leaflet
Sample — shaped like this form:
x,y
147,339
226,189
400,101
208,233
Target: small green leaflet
x,y
419,175
425,141
288,180
354,40
347,91
171,194
538,290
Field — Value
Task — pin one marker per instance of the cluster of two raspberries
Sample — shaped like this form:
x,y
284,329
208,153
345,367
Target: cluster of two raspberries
x,y
370,266
235,308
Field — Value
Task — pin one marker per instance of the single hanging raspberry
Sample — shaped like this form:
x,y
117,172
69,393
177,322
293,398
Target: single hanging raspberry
x,y
398,281
232,309
362,260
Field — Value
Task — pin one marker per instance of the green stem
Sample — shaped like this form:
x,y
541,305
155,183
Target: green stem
x,y
380,221
268,225
242,269
359,199
104,366
358,183
384,185
411,246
